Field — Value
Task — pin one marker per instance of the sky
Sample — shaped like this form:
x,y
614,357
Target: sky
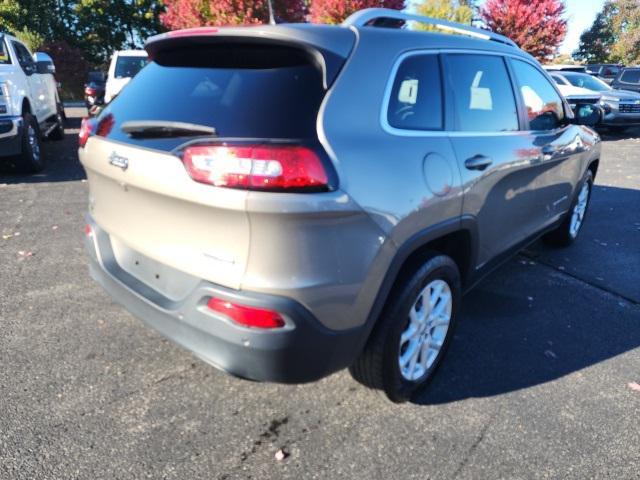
x,y
580,16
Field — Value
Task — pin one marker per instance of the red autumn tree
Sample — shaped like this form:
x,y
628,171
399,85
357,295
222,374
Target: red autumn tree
x,y
198,13
538,27
335,11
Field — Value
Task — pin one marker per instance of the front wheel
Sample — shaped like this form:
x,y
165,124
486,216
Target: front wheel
x,y
413,332
569,229
30,158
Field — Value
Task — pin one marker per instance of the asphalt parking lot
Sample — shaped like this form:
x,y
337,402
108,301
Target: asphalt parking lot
x,y
539,382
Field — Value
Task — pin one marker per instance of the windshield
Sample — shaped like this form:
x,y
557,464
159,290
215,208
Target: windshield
x,y
128,67
587,81
4,53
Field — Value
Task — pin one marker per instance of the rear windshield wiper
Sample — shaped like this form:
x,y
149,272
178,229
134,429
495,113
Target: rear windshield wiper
x,y
161,128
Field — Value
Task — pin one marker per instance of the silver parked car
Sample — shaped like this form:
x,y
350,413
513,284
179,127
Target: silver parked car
x,y
621,107
287,201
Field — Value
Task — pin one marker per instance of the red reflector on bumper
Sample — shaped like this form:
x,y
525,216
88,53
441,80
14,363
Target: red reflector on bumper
x,y
247,316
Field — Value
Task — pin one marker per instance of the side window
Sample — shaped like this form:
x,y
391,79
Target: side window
x,y
544,105
416,96
631,76
24,58
483,97
4,53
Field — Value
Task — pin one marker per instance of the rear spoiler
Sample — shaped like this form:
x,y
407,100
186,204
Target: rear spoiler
x,y
327,46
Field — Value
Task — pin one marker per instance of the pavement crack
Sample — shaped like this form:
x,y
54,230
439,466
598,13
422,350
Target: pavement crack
x,y
474,445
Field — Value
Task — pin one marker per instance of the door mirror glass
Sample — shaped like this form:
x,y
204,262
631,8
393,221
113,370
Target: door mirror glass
x,y
588,115
44,63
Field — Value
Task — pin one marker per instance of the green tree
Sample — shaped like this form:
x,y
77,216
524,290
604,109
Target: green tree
x,y
103,26
626,25
596,42
10,14
614,35
451,10
31,39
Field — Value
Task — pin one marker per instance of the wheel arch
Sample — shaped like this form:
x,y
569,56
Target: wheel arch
x,y
457,238
26,106
593,166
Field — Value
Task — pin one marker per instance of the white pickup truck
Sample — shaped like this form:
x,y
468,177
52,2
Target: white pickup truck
x,y
30,108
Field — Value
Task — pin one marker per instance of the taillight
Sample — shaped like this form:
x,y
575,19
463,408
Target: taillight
x,y
257,167
89,91
247,316
86,129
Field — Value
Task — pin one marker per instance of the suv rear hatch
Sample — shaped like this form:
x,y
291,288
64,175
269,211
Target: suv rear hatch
x,y
259,86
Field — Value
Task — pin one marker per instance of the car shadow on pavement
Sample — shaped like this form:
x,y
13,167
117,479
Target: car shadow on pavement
x,y
550,312
61,157
509,340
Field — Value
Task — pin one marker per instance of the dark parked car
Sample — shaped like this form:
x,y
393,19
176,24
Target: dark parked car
x,y
94,89
283,206
605,71
628,79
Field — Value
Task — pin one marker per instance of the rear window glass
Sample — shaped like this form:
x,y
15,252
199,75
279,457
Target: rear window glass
x,y
4,53
416,96
631,76
241,94
610,71
128,67
96,77
484,100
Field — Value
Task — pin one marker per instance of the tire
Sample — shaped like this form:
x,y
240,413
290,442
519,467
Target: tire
x,y
378,366
57,133
568,231
30,159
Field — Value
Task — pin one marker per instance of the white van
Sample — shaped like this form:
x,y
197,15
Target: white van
x,y
125,64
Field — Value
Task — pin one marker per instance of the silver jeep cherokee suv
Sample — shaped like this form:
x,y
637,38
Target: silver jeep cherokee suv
x,y
287,201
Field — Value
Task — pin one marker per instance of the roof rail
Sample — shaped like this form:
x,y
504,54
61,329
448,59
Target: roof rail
x,y
364,17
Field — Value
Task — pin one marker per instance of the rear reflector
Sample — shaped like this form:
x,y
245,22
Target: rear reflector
x,y
257,167
86,129
247,316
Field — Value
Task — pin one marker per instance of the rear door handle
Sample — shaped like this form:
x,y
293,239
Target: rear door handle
x,y
478,162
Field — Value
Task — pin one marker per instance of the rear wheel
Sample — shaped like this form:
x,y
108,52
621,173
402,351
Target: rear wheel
x,y
413,332
569,229
58,132
30,159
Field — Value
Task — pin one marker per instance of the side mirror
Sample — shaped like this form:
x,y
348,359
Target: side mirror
x,y
589,115
44,63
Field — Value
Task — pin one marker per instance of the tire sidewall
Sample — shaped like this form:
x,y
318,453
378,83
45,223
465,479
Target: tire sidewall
x,y
439,267
587,178
26,157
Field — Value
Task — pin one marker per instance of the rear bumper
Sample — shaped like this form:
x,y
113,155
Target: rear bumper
x,y
10,136
304,350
